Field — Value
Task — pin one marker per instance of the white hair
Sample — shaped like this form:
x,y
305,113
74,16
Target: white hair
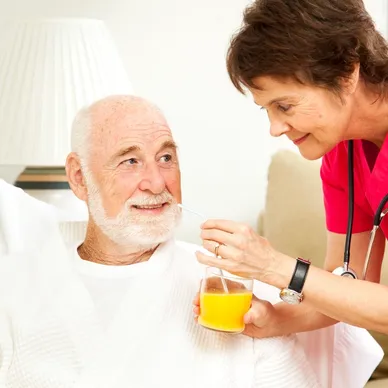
x,y
81,134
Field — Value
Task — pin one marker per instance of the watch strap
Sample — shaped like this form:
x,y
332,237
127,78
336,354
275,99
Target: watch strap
x,y
299,276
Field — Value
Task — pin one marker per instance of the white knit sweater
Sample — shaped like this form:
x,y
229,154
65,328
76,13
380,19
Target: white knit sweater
x,y
51,335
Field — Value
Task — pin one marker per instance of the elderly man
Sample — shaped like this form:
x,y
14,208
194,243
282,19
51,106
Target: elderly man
x,y
114,311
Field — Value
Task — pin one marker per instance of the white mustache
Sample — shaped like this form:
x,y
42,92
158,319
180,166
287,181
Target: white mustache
x,y
150,201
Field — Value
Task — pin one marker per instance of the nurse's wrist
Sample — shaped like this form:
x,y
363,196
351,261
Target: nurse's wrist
x,y
281,270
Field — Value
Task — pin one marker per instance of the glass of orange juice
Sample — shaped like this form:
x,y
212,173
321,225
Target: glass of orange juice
x,y
224,300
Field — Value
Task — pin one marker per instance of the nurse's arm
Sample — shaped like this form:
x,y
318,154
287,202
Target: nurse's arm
x,y
328,299
359,246
356,302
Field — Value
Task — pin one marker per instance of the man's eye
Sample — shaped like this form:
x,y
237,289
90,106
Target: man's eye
x,y
166,158
130,161
284,107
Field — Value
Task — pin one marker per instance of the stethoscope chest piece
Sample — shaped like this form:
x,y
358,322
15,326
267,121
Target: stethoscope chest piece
x,y
345,272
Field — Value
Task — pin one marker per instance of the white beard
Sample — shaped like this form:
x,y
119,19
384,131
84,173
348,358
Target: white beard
x,y
129,228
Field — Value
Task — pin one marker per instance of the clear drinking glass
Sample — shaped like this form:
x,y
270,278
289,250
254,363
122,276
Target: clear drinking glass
x,y
224,300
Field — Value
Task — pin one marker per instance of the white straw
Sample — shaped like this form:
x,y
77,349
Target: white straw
x,y
183,207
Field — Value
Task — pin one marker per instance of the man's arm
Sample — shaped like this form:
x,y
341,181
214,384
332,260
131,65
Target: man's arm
x,y
265,320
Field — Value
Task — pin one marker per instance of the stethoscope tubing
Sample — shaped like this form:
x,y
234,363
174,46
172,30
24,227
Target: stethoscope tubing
x,y
379,215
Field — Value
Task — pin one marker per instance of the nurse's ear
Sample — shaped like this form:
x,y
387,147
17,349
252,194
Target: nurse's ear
x,y
349,84
75,176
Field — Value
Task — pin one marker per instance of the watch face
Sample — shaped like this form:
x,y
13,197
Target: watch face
x,y
290,296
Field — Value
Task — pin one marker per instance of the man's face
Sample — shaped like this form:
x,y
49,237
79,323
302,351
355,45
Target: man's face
x,y
133,181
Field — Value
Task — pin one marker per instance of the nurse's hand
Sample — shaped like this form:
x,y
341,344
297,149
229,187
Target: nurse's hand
x,y
241,250
258,320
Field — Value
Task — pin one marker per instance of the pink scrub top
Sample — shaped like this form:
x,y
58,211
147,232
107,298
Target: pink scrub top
x,y
370,185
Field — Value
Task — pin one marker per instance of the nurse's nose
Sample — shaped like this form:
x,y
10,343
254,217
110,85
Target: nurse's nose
x,y
278,127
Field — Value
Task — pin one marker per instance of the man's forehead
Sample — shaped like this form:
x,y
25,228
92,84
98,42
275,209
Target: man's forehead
x,y
126,112
124,132
144,138
123,122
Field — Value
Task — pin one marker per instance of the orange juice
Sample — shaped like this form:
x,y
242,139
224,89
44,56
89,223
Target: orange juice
x,y
224,312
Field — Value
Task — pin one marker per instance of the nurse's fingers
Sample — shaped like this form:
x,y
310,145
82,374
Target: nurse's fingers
x,y
221,250
212,261
219,236
225,225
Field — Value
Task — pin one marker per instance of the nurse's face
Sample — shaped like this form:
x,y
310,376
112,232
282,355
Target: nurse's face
x,y
313,118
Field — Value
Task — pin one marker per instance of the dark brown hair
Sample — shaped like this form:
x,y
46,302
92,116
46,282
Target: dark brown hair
x,y
314,41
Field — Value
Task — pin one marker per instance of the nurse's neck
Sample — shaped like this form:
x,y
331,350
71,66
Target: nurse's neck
x,y
370,118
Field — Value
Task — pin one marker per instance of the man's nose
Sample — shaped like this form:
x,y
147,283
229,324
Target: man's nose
x,y
153,180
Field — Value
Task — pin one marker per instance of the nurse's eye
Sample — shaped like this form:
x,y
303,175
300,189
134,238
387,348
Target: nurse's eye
x,y
284,107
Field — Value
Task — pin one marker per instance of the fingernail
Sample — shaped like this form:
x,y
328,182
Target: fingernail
x,y
201,226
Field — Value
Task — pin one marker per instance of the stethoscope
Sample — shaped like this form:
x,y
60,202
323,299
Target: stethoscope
x,y
345,270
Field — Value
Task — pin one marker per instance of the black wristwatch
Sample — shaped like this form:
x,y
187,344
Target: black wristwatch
x,y
293,293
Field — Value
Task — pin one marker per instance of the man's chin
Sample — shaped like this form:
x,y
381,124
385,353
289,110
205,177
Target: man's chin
x,y
150,240
141,230
143,236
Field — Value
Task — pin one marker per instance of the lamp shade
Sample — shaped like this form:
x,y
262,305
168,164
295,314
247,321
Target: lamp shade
x,y
49,69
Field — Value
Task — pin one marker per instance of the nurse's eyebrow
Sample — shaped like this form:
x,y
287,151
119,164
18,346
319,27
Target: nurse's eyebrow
x,y
277,99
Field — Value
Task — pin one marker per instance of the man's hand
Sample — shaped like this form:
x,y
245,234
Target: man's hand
x,y
196,308
260,319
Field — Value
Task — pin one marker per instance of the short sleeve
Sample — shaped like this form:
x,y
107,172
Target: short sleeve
x,y
335,194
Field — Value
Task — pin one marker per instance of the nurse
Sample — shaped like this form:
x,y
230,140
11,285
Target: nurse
x,y
320,70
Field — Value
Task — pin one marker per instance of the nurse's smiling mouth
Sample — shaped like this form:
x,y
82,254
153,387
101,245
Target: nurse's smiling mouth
x,y
301,139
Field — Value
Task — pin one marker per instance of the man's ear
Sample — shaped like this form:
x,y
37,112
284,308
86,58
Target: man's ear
x,y
75,176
